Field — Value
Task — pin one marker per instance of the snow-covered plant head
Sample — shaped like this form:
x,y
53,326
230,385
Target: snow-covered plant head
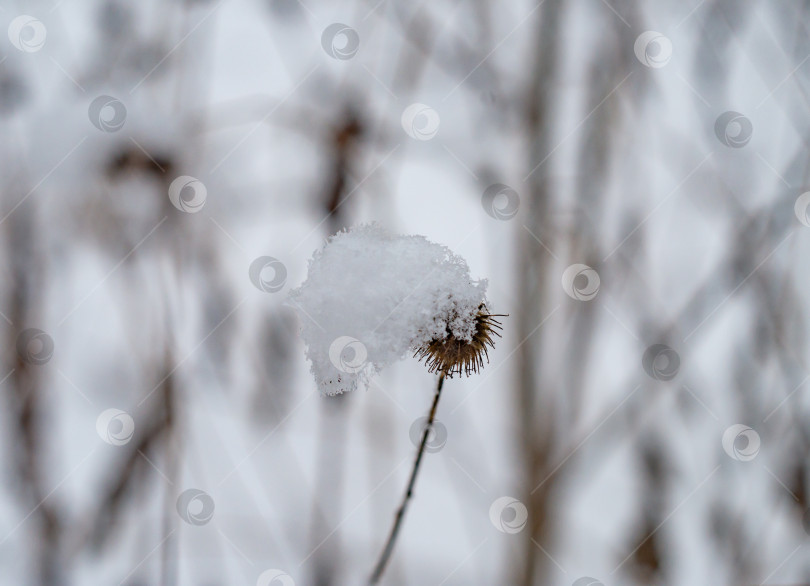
x,y
372,297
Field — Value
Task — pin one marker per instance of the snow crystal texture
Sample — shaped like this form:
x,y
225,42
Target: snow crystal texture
x,y
371,297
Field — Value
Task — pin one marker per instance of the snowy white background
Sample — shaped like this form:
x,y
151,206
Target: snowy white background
x,y
616,163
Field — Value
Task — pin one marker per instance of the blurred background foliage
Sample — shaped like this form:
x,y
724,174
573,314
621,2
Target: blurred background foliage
x,y
621,157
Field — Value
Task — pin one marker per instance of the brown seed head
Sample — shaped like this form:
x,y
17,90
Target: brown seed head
x,y
454,356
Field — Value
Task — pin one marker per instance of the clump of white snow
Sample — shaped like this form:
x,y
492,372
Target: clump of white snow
x,y
371,296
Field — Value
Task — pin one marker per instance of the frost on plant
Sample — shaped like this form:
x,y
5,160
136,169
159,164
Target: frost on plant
x,y
371,297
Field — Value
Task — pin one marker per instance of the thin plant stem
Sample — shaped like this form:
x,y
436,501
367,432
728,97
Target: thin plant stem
x,y
392,537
